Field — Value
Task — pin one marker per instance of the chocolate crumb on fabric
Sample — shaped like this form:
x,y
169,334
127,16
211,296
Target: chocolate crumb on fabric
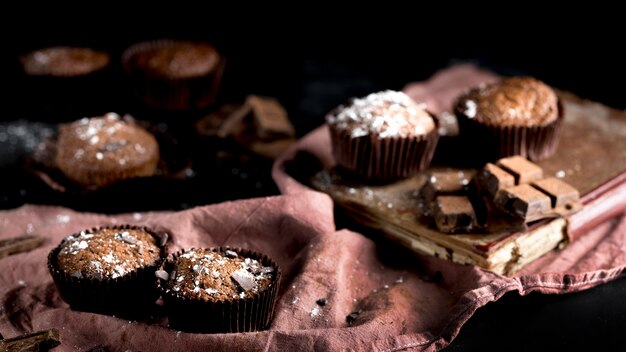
x,y
351,318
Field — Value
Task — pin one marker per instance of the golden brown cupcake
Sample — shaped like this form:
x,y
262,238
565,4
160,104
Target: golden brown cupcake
x,y
384,136
516,116
219,290
172,74
108,269
101,150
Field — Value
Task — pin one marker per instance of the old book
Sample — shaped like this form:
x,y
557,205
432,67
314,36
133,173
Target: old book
x,y
591,157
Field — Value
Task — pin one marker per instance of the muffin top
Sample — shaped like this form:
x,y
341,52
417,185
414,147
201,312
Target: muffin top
x,y
217,276
516,101
105,143
64,61
385,114
107,253
178,59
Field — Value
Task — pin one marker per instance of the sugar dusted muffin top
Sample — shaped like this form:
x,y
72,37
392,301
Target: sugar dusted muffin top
x,y
100,150
107,253
386,114
64,61
516,101
217,276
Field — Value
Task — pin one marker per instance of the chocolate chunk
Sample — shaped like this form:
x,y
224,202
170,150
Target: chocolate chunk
x,y
321,302
230,254
20,244
163,240
37,341
492,178
523,170
244,279
453,213
444,183
270,118
523,201
560,193
162,274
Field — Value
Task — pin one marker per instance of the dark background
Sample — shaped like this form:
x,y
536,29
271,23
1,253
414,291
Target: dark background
x,y
311,66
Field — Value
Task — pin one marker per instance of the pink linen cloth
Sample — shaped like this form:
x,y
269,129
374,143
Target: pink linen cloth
x,y
397,300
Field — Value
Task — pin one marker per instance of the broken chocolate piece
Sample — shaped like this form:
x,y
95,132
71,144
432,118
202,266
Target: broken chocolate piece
x,y
321,302
20,244
492,179
244,279
444,183
234,123
523,170
453,213
523,201
560,193
37,341
270,118
210,124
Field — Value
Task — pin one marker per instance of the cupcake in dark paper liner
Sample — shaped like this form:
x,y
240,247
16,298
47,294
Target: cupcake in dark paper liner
x,y
67,80
108,269
98,151
516,116
219,290
383,136
174,75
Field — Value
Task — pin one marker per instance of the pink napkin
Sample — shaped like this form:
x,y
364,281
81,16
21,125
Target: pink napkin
x,y
438,315
340,290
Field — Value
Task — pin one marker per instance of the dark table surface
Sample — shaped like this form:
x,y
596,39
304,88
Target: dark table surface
x,y
309,79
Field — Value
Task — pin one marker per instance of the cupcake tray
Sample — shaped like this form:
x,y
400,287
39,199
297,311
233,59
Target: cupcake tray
x,y
591,157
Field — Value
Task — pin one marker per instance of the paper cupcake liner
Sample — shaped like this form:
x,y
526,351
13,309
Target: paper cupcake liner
x,y
236,315
494,142
126,295
100,178
376,158
170,93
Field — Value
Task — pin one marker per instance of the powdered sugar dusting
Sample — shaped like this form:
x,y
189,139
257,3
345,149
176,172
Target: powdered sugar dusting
x,y
385,114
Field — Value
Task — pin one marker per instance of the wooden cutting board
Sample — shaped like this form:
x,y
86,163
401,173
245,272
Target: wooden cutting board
x,y
591,157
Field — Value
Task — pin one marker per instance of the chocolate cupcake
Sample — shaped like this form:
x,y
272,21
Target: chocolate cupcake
x,y
383,136
177,75
98,151
219,290
66,81
64,62
516,116
108,269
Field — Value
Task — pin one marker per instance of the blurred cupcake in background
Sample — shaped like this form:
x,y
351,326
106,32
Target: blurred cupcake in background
x,y
174,75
